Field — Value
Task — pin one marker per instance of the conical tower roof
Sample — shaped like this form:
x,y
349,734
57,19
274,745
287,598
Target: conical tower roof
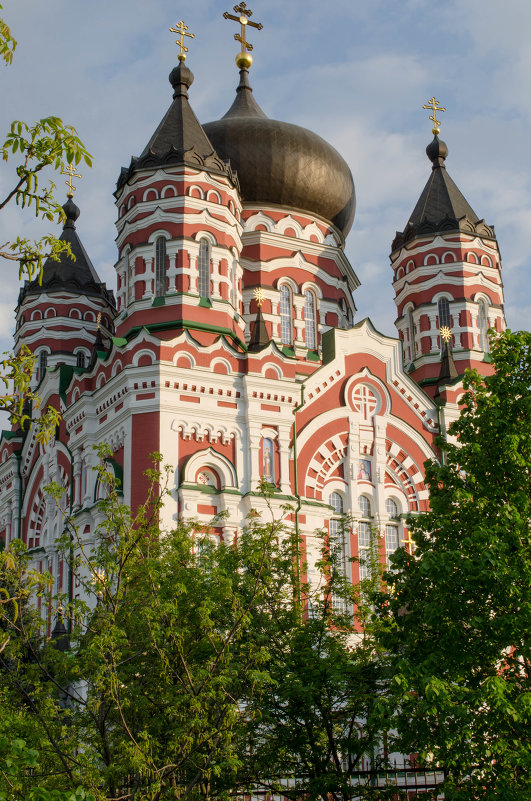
x,y
77,276
441,206
179,138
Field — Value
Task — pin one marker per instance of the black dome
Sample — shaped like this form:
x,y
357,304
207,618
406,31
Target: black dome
x,y
281,163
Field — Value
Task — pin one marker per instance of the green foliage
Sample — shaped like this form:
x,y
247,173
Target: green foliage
x,y
16,375
7,43
193,673
459,618
17,764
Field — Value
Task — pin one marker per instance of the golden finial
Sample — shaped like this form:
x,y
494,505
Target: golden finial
x,y
433,105
259,296
409,543
98,321
446,333
71,172
182,29
243,59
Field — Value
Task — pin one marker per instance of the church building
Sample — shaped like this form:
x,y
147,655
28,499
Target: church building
x,y
232,344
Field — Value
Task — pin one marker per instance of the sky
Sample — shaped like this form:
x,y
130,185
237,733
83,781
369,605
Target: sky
x,y
357,72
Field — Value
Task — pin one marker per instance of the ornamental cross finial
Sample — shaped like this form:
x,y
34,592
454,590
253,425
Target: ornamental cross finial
x,y
446,333
182,29
259,296
98,321
71,172
243,59
409,543
433,105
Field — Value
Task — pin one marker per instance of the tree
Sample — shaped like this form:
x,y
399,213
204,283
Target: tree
x,y
47,143
314,728
457,622
196,672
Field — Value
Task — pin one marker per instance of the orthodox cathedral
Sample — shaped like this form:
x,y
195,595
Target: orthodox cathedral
x,y
232,346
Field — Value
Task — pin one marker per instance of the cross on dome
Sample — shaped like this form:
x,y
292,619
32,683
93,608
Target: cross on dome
x,y
71,172
434,106
182,29
243,59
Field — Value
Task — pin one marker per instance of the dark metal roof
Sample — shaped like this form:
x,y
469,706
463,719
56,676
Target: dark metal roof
x,y
179,139
77,276
441,206
281,163
259,336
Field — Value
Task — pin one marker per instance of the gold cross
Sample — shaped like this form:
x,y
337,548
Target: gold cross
x,y
98,320
259,296
182,29
446,333
71,172
244,59
434,106
409,543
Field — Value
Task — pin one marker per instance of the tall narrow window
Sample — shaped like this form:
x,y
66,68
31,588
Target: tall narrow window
x,y
160,267
483,325
286,316
309,321
204,268
43,364
80,359
130,268
339,540
364,538
411,335
391,531
444,313
235,283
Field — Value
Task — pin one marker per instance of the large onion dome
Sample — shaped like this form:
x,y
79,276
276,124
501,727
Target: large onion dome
x,y
281,163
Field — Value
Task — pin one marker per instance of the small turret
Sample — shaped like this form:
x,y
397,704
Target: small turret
x,y
446,273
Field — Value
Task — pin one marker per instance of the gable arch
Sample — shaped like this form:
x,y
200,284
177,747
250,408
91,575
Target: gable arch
x,y
216,462
252,223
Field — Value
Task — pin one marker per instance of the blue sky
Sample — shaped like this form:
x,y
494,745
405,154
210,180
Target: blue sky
x,y
355,71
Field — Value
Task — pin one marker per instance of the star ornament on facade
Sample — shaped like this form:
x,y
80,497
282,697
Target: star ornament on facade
x,y
446,334
259,296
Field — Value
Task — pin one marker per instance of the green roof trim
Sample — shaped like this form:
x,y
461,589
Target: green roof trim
x,y
188,325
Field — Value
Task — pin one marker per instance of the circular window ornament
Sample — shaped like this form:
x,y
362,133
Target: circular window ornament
x,y
366,401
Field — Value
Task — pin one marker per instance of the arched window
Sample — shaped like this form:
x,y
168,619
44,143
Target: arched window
x,y
286,316
364,538
81,359
411,335
268,456
130,269
392,539
204,268
160,267
444,313
365,506
483,325
339,540
43,364
235,283
391,508
310,327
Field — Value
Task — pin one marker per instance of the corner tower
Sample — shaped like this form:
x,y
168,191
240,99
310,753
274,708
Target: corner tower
x,y
59,316
179,230
446,274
